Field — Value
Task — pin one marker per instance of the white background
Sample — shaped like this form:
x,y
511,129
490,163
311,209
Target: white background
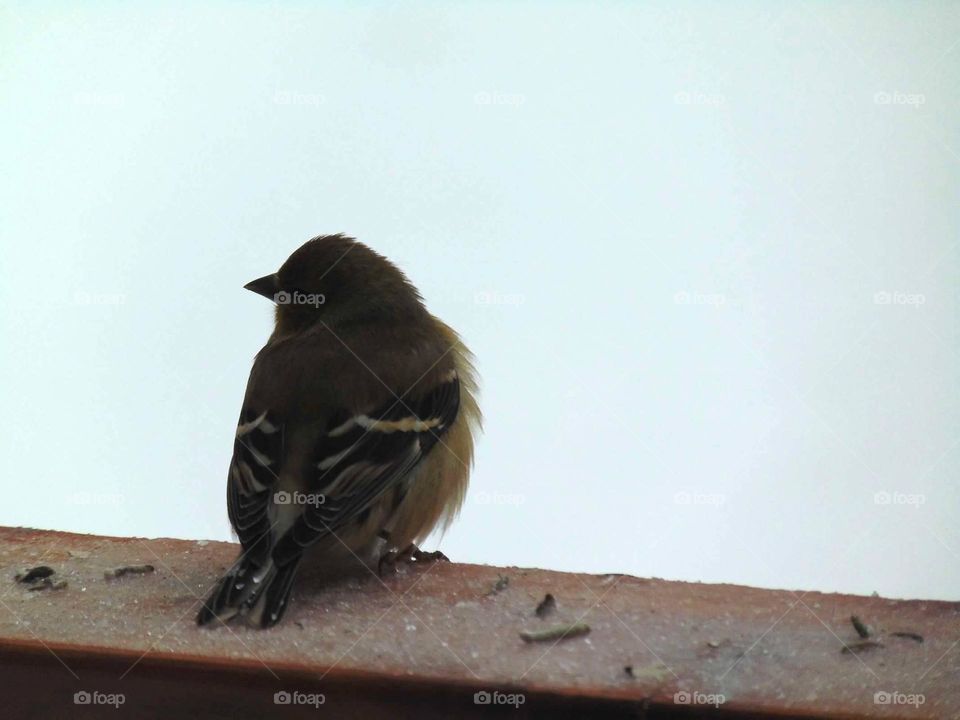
x,y
707,258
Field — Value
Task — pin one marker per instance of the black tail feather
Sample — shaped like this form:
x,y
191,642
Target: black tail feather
x,y
232,590
272,604
261,590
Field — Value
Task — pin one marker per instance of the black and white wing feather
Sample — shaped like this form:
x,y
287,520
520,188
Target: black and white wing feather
x,y
257,458
361,457
357,460
258,452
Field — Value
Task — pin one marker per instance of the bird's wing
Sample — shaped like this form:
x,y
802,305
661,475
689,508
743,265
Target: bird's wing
x,y
357,458
258,450
361,456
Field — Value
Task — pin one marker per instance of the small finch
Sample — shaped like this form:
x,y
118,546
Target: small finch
x,y
356,433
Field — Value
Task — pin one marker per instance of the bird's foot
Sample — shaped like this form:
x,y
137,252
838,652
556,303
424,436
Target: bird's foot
x,y
410,554
421,556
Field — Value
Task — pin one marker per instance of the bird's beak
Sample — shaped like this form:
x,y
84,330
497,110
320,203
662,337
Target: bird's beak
x,y
268,286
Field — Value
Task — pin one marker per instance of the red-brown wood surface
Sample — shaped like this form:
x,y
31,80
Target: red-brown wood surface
x,y
424,641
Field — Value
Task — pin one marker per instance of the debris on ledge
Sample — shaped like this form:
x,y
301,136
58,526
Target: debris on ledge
x,y
89,621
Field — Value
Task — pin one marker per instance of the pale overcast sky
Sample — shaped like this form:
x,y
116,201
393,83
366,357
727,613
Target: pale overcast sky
x,y
707,258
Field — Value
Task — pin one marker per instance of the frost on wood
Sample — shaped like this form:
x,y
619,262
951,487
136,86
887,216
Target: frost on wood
x,y
637,640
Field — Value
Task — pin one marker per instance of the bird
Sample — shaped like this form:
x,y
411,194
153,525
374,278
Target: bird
x,y
356,434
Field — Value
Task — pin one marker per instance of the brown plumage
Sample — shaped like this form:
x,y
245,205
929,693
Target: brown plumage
x,y
357,425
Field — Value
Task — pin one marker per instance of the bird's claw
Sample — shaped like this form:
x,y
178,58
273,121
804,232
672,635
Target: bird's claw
x,y
410,554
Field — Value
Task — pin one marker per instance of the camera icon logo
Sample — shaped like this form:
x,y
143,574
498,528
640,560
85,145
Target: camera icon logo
x,y
682,697
81,698
282,697
282,298
281,498
482,698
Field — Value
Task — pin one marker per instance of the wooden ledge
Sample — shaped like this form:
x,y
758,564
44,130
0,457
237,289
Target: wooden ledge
x,y
423,642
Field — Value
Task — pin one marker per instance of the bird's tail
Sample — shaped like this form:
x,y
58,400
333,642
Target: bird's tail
x,y
258,590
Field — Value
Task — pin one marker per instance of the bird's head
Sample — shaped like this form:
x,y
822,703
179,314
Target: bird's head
x,y
334,278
